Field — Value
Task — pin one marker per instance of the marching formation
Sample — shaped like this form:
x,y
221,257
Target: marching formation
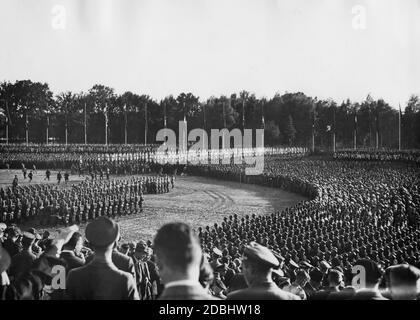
x,y
52,204
379,155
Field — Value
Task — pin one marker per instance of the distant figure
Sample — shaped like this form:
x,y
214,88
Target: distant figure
x,y
34,168
30,176
24,172
66,177
15,182
59,176
8,166
47,175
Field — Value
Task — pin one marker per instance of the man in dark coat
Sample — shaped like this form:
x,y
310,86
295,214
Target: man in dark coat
x,y
101,279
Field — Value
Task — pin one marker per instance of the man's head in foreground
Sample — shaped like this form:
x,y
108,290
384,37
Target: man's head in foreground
x,y
102,234
404,282
178,253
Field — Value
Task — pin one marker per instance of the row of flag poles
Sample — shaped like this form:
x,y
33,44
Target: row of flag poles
x,y
106,119
333,129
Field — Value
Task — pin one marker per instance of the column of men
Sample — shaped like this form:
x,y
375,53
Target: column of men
x,y
87,200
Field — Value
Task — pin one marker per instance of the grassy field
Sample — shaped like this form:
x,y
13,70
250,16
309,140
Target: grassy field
x,y
198,201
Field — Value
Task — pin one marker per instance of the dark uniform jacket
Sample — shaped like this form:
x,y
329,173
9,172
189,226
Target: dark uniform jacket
x,y
100,280
121,261
262,291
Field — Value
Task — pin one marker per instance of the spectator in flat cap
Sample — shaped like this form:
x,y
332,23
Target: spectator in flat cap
x,y
101,279
335,282
297,287
11,243
178,256
22,262
369,278
147,276
257,264
68,253
45,238
404,282
314,284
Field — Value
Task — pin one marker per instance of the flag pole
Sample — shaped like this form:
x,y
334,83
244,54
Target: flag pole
x,y
145,124
48,126
355,131
85,125
313,130
106,123
66,126
26,129
399,128
7,130
334,145
125,123
377,128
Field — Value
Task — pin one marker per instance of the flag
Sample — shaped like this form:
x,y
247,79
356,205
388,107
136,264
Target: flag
x,y
328,128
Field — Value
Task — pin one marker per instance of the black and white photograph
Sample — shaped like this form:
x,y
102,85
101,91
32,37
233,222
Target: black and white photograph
x,y
226,151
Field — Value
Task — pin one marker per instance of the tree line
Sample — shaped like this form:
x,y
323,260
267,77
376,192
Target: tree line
x,y
288,119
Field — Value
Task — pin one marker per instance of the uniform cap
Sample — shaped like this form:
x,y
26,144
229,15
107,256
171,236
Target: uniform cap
x,y
261,255
217,252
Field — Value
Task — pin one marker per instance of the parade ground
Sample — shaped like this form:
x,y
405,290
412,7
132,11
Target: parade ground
x,y
199,201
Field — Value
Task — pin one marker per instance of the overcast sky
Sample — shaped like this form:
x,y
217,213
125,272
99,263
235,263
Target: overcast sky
x,y
161,47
